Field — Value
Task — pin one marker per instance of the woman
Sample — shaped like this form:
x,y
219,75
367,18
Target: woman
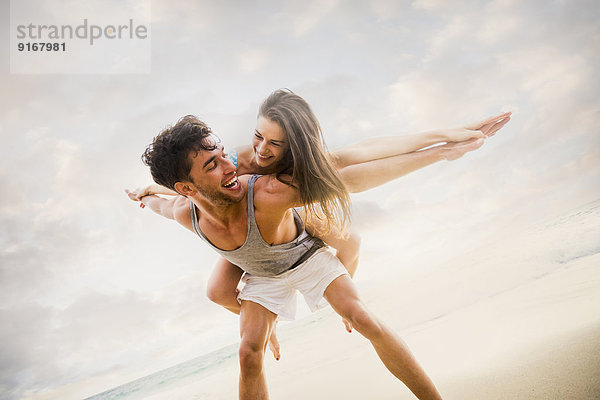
x,y
288,142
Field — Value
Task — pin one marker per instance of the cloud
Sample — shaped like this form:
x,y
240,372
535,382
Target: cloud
x,y
94,288
253,60
305,19
78,279
23,360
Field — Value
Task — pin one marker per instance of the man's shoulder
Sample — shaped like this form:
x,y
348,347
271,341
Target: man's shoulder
x,y
181,211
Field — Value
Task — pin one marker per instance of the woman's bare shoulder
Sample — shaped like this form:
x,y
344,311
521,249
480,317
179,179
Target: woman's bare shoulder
x,y
271,191
244,160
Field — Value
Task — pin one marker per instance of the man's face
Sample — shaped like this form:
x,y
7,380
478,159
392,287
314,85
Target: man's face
x,y
214,176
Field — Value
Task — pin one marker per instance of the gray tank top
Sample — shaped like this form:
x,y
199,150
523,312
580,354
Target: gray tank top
x,y
256,256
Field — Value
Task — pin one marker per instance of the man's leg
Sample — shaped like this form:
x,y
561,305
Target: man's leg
x,y
256,324
222,289
343,297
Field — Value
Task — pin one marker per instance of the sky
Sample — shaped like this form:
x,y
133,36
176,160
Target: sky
x,y
95,291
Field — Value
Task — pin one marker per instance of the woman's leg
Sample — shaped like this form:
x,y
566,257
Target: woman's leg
x,y
222,285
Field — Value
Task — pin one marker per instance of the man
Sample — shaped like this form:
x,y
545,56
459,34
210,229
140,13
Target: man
x,y
250,221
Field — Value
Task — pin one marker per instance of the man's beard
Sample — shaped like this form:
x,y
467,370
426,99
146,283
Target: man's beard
x,y
216,197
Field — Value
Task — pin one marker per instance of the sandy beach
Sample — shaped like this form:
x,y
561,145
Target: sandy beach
x,y
516,318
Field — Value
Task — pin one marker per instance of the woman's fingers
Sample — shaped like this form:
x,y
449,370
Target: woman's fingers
x,y
475,134
486,123
492,127
497,127
135,195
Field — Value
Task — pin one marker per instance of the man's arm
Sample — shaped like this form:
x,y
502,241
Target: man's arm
x,y
176,208
160,205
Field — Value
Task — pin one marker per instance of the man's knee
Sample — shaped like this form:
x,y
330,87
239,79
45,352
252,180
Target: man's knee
x,y
251,357
363,320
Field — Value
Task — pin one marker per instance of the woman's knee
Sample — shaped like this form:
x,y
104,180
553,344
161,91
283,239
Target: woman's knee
x,y
214,293
219,294
222,283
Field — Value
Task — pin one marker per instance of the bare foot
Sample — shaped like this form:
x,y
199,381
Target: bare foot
x,y
347,324
454,151
274,343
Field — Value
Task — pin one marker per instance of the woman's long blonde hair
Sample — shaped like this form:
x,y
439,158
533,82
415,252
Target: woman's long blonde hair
x,y
321,189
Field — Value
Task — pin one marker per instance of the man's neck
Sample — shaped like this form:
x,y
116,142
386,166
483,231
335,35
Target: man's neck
x,y
219,214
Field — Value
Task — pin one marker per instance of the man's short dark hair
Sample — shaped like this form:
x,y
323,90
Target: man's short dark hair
x,y
168,155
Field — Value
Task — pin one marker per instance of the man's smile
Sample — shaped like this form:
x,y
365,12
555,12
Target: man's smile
x,y
232,184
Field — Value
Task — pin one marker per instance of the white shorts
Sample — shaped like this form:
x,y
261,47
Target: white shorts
x,y
278,293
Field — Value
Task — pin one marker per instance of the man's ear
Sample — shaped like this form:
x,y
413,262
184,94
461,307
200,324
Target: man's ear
x,y
184,188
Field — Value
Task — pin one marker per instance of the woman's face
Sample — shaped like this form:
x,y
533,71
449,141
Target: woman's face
x,y
269,143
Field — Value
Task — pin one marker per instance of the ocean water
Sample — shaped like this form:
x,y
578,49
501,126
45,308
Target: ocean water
x,y
196,368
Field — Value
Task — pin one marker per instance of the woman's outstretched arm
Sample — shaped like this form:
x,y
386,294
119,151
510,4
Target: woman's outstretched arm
x,y
369,174
365,176
390,146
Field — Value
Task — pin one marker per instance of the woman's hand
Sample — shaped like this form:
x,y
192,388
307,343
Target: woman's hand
x,y
141,192
478,130
454,151
137,194
457,135
491,125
